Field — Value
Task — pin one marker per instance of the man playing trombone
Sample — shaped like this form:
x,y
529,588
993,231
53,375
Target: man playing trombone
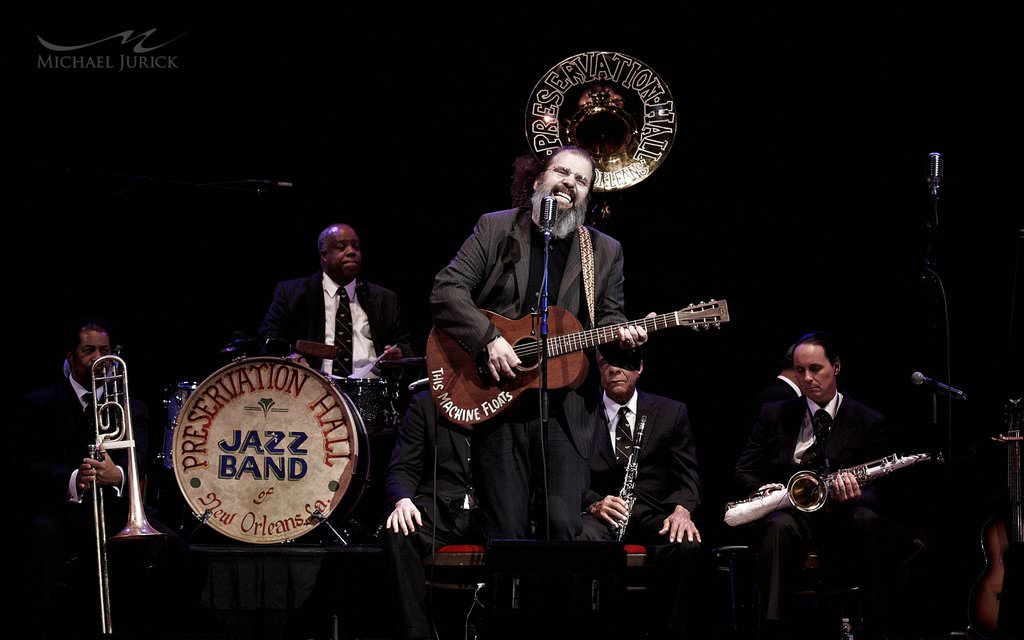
x,y
57,474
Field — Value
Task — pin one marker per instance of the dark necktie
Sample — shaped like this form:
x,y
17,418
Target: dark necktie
x,y
822,423
623,437
343,335
89,409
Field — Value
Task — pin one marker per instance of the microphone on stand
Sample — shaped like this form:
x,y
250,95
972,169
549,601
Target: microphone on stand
x,y
919,378
934,174
548,208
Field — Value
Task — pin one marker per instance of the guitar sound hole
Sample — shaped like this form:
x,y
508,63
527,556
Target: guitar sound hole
x,y
528,350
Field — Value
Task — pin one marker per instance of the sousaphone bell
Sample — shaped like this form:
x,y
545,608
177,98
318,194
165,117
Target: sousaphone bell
x,y
611,104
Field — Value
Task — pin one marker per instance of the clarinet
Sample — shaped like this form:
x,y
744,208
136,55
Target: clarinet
x,y
628,491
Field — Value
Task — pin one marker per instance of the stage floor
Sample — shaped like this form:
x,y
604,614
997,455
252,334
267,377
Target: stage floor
x,y
328,592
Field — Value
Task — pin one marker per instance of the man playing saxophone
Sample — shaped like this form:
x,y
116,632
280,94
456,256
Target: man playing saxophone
x,y
824,431
664,488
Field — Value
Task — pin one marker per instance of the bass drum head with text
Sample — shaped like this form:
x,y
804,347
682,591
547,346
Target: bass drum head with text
x,y
261,445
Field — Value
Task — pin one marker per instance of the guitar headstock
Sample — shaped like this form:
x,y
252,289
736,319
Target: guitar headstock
x,y
704,315
1014,410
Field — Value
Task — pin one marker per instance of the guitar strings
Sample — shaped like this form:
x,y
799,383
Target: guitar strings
x,y
592,337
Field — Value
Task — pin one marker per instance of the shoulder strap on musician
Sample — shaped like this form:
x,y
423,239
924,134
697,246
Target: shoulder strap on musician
x,y
587,266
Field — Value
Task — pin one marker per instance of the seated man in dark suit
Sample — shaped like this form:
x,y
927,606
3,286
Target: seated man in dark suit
x,y
55,427
430,487
667,488
369,325
783,387
364,322
824,431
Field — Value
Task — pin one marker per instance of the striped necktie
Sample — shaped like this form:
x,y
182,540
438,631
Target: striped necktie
x,y
815,455
343,335
623,436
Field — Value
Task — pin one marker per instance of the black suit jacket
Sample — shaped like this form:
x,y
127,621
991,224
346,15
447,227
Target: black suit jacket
x,y
411,470
667,464
772,392
297,313
54,436
857,436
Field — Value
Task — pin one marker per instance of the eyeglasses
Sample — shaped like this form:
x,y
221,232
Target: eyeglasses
x,y
566,173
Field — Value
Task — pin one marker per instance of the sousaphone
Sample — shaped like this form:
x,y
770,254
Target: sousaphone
x,y
614,106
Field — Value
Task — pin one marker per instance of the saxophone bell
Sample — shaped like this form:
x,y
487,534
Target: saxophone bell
x,y
809,492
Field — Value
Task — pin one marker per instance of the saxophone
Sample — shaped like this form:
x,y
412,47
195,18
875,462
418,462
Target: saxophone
x,y
808,491
628,491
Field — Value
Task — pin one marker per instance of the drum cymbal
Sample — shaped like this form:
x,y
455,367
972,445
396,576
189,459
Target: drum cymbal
x,y
239,345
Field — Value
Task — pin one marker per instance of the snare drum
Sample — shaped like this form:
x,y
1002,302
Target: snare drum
x,y
265,443
374,398
175,396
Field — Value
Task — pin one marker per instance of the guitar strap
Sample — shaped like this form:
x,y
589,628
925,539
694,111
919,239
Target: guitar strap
x,y
587,266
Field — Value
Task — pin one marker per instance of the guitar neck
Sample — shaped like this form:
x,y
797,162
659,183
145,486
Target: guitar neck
x,y
700,316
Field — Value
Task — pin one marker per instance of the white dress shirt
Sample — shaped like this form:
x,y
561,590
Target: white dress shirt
x,y
363,352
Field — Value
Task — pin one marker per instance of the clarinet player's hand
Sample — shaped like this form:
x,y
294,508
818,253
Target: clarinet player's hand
x,y
610,509
679,525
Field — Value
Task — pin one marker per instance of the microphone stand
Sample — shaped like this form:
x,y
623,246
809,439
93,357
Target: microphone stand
x,y
544,417
930,277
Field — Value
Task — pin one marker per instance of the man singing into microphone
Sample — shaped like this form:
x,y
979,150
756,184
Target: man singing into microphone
x,y
500,267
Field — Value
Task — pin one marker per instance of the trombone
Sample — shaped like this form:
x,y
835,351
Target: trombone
x,y
112,417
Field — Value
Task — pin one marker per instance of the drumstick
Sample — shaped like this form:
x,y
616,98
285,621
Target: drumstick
x,y
316,349
372,366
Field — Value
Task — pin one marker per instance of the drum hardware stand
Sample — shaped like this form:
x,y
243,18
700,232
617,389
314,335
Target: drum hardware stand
x,y
203,519
319,517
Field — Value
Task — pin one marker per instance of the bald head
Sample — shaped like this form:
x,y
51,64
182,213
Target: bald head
x,y
340,255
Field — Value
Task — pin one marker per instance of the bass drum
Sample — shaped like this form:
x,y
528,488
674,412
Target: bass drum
x,y
266,448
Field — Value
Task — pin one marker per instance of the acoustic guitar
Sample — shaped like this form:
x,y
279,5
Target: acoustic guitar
x,y
466,394
990,607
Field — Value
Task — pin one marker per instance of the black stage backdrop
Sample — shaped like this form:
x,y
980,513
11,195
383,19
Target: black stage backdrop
x,y
795,189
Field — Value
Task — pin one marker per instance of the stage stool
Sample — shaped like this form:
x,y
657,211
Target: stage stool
x,y
736,562
456,566
461,566
638,572
826,597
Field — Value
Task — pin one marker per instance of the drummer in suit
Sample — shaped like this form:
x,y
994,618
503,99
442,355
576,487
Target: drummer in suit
x,y
370,320
364,322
